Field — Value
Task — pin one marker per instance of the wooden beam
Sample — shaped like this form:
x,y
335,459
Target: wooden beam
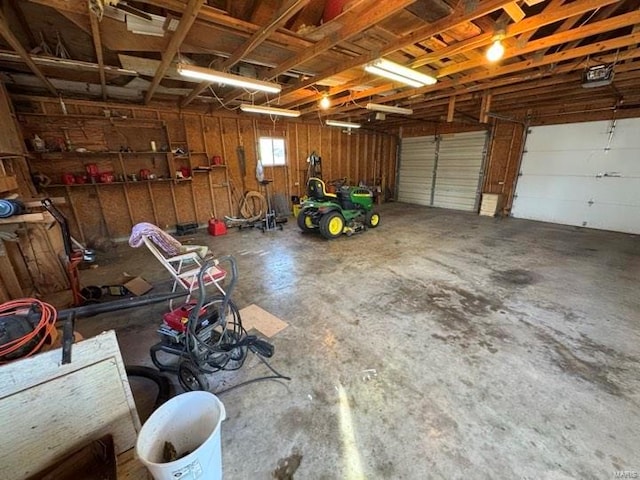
x,y
15,6
518,69
514,11
281,17
11,39
451,110
585,31
97,45
547,17
485,106
355,21
8,56
188,17
460,15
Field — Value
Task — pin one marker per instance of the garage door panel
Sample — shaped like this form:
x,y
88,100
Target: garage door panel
x,y
415,175
553,138
460,157
619,218
593,188
566,212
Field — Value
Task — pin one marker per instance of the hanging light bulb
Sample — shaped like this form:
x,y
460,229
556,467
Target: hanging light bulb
x,y
325,103
495,51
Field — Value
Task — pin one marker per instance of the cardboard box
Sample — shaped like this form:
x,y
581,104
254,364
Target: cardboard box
x,y
137,285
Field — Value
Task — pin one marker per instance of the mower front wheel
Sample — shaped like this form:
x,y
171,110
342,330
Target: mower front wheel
x,y
332,225
305,222
372,219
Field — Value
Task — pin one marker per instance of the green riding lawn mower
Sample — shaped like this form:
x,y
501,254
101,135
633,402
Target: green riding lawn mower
x,y
348,211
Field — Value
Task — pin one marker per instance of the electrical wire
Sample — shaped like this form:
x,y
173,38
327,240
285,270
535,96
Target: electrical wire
x,y
33,340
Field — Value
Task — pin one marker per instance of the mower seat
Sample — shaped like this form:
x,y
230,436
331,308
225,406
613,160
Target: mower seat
x,y
317,190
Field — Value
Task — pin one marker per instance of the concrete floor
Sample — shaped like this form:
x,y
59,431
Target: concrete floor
x,y
440,345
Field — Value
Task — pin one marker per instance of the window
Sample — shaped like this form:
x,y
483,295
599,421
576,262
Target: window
x,y
272,151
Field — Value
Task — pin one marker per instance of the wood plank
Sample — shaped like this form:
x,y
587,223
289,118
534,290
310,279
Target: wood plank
x,y
188,17
547,17
97,45
283,15
42,217
585,31
12,40
37,433
459,16
8,275
514,11
354,22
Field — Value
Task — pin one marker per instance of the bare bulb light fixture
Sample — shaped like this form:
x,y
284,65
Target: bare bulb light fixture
x,y
201,73
496,51
324,103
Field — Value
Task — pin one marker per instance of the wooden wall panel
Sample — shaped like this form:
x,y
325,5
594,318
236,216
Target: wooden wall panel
x,y
503,161
117,218
164,205
111,210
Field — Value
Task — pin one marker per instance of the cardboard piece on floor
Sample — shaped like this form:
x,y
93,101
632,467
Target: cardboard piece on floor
x,y
138,286
255,317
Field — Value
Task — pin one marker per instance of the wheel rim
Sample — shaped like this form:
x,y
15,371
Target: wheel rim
x,y
308,222
335,226
375,219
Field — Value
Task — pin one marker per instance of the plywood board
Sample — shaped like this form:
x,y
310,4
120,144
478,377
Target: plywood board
x,y
49,410
254,317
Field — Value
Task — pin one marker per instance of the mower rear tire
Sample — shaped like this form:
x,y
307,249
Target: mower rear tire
x,y
331,225
305,222
372,219
190,378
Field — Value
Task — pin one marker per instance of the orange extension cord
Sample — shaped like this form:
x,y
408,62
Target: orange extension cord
x,y
45,328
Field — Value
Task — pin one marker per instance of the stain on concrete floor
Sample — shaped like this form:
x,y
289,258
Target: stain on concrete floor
x,y
497,354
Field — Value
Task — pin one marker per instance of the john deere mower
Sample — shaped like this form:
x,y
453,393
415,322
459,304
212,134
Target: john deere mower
x,y
348,211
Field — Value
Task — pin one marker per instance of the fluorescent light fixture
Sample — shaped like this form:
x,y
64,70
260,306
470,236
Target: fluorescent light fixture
x,y
389,109
214,76
336,123
283,112
394,71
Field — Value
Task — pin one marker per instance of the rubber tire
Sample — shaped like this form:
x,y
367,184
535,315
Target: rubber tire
x,y
302,222
325,223
190,378
372,219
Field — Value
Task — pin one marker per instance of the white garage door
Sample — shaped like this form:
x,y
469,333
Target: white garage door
x,y
442,171
585,174
415,177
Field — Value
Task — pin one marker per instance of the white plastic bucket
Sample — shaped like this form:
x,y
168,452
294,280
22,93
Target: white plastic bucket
x,y
191,422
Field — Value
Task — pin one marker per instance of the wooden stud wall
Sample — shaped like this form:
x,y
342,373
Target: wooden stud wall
x,y
110,210
504,160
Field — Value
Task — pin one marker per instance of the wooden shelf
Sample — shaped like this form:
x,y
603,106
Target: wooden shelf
x,y
92,117
90,154
130,182
43,217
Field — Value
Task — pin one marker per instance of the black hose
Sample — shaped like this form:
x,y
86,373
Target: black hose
x,y
165,389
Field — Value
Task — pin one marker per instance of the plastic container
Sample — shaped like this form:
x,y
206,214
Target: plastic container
x,y
191,422
217,227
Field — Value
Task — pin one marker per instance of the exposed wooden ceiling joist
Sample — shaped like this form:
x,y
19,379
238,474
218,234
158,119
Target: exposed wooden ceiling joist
x,y
188,17
282,16
97,45
11,39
